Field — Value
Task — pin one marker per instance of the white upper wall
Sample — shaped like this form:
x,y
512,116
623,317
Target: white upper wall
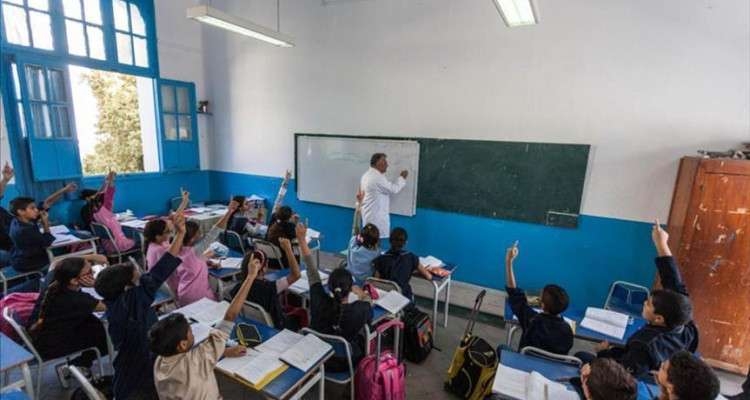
x,y
644,82
180,47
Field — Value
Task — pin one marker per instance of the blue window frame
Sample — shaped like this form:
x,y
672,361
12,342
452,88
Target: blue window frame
x,y
19,16
179,141
84,28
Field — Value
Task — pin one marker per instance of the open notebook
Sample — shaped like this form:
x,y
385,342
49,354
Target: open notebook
x,y
299,351
607,322
521,385
256,368
302,285
205,310
392,301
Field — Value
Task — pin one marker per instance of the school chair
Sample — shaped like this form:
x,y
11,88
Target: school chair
x,y
271,251
383,284
174,203
164,296
9,317
341,348
256,312
14,394
88,388
565,359
626,297
104,233
8,274
233,240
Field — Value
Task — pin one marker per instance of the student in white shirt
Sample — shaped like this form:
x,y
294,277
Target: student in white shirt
x,y
377,189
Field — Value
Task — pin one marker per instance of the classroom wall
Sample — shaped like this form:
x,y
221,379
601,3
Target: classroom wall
x,y
643,82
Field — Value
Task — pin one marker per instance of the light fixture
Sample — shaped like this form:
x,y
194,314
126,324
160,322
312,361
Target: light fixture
x,y
211,16
517,12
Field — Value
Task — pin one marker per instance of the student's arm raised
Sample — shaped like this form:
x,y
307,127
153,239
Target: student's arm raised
x,y
185,200
54,197
7,176
669,272
510,255
516,297
231,208
357,222
239,299
313,276
282,192
294,273
156,276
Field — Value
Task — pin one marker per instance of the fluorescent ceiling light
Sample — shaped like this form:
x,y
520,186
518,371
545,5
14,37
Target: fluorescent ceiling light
x,y
517,12
211,16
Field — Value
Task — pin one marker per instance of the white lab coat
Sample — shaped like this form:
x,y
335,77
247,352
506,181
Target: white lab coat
x,y
377,202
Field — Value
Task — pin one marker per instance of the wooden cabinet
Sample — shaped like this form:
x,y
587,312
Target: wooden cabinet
x,y
709,225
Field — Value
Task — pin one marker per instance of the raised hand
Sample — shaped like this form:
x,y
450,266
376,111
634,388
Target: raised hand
x,y
233,206
70,188
660,237
285,244
8,172
301,232
179,222
512,252
404,174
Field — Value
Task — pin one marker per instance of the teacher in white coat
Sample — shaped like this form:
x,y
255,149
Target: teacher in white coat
x,y
378,191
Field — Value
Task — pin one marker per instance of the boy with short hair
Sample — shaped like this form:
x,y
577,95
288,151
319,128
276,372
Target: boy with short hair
x,y
128,296
546,330
605,379
182,371
668,313
398,264
687,377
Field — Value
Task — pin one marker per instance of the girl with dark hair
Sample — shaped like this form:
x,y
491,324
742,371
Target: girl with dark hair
x,y
66,313
363,246
98,208
157,234
336,315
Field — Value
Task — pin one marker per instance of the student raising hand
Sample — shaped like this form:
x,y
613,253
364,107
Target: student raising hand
x,y
660,237
510,255
7,172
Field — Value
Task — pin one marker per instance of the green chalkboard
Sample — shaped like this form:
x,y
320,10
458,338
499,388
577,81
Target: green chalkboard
x,y
533,182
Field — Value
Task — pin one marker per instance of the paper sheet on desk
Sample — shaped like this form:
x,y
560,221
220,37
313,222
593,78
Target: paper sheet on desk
x,y
312,234
392,302
306,352
607,322
62,238
280,342
205,310
430,261
58,229
302,285
231,262
135,224
255,367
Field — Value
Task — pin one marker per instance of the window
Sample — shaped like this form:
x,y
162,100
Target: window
x,y
130,34
28,23
179,144
83,28
19,99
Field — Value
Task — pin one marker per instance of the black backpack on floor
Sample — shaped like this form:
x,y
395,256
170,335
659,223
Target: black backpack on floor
x,y
417,334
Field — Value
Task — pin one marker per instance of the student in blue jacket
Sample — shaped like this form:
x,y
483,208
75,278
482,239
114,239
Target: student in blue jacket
x,y
128,296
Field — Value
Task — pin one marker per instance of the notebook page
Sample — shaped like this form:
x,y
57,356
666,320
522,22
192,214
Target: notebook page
x,y
279,343
231,262
393,302
253,367
540,388
58,229
603,327
205,310
510,382
306,352
430,261
610,317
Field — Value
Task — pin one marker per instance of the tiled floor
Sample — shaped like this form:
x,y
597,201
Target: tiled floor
x,y
423,381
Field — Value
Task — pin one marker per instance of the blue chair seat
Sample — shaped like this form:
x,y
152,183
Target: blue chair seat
x,y
338,376
162,296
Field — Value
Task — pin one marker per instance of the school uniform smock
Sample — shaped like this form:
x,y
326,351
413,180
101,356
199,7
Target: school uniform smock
x,y
29,246
651,345
130,316
106,217
190,375
192,274
359,259
545,331
377,201
153,254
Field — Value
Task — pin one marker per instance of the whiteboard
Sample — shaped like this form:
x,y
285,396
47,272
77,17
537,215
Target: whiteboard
x,y
329,169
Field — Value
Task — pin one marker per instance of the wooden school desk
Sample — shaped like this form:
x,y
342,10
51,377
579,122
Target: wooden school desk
x,y
581,333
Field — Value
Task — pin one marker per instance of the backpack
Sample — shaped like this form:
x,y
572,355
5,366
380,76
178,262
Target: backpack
x,y
381,376
22,305
417,334
474,364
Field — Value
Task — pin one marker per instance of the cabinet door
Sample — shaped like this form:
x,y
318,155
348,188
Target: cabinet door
x,y
715,260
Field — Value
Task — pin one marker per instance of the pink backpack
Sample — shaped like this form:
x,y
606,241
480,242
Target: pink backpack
x,y
381,376
22,305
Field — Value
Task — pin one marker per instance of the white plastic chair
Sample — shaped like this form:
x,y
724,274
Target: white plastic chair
x,y
87,387
104,233
338,343
565,359
8,316
256,312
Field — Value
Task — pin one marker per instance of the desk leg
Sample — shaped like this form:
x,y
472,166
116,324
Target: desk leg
x,y
27,379
322,383
509,337
446,306
435,299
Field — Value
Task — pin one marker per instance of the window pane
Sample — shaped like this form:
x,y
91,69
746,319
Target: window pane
x,y
40,116
182,100
170,127
93,12
16,30
186,129
124,54
39,4
121,15
76,39
57,85
96,42
61,120
167,98
16,82
141,53
139,26
35,83
19,2
72,9
22,119
41,30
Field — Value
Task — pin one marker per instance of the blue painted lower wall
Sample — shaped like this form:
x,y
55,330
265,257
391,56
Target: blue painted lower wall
x,y
583,260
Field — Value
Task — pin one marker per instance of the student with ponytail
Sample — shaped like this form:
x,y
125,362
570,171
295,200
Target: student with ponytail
x,y
66,321
336,315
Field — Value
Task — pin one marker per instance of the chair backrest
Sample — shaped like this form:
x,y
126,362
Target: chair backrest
x,y
341,348
256,312
383,284
626,297
9,317
271,250
565,359
102,232
87,387
138,265
233,240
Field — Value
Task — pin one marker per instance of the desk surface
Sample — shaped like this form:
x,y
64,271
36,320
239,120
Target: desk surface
x,y
12,354
292,377
583,333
